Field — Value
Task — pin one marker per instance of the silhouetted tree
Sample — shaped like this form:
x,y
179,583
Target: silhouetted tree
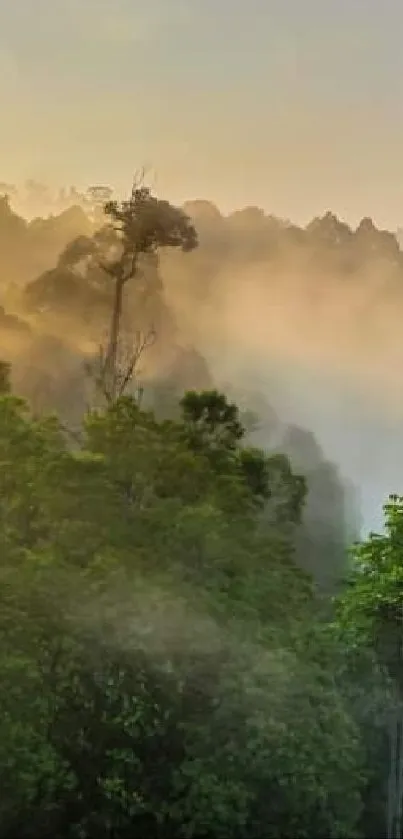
x,y
143,224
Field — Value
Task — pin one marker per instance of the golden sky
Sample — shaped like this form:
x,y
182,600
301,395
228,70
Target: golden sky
x,y
294,105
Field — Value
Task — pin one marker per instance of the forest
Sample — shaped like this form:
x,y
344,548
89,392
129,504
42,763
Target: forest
x,y
197,638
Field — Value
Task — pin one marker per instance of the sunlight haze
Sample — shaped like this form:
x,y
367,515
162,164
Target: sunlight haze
x,y
293,106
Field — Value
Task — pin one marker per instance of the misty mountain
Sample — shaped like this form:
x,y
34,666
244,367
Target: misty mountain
x,y
260,307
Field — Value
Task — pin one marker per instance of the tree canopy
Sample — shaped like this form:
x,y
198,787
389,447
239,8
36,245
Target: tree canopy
x,y
153,677
176,658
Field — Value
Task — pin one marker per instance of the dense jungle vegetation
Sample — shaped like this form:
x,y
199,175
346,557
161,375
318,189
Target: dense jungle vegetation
x,y
194,642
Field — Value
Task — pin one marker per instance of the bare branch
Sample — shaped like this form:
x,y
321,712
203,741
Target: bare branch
x,y
110,384
143,342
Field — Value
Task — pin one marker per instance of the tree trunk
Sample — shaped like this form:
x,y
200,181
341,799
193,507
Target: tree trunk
x,y
111,363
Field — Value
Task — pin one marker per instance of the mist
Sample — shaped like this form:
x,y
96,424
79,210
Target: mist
x,y
314,327
304,322
299,327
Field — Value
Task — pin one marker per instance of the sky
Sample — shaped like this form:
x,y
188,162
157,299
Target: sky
x,y
292,105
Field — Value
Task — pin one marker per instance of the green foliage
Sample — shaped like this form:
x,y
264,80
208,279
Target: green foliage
x,y
214,428
369,620
210,418
371,610
157,673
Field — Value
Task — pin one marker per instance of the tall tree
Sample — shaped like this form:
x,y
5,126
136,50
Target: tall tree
x,y
143,224
370,614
